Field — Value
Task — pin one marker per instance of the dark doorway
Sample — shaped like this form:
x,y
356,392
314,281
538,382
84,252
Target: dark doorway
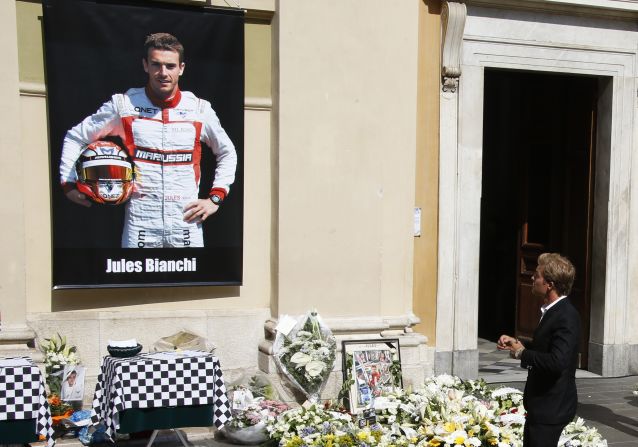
x,y
537,193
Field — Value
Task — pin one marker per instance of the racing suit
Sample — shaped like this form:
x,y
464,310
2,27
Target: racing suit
x,y
164,143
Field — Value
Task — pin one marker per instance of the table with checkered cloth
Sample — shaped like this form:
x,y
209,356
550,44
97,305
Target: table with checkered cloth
x,y
23,396
144,382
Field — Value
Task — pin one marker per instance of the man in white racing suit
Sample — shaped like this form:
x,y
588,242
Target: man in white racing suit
x,y
162,129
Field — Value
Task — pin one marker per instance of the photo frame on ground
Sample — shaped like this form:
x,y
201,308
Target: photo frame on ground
x,y
370,367
72,386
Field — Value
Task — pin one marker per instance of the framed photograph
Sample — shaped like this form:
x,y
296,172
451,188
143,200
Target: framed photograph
x,y
369,368
72,387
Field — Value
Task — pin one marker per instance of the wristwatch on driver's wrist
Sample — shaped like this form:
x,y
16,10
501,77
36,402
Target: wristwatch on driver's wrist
x,y
216,199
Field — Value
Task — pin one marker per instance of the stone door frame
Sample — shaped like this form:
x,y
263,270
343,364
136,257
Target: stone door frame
x,y
460,180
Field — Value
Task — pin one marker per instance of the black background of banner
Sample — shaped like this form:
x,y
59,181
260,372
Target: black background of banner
x,y
93,49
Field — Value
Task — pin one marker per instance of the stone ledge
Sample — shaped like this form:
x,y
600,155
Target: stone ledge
x,y
19,342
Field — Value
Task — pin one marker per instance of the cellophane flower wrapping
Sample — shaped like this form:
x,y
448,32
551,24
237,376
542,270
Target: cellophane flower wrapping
x,y
254,404
306,355
248,426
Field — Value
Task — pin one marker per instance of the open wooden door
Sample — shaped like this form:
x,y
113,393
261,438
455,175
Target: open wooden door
x,y
556,164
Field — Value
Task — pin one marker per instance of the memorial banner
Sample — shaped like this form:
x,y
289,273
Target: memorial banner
x,y
145,108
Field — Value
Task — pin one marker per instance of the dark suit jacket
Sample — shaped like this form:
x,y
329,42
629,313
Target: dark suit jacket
x,y
551,359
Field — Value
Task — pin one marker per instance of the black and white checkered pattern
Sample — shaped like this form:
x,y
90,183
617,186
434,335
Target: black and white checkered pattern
x,y
23,396
143,382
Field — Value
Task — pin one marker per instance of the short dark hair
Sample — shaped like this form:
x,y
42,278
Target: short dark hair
x,y
163,41
558,270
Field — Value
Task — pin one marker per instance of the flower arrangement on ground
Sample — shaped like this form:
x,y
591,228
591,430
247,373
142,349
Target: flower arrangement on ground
x,y
248,425
57,354
445,411
578,434
259,412
59,409
314,426
306,355
254,403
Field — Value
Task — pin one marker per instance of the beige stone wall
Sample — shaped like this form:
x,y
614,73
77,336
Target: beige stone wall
x,y
12,278
347,90
427,167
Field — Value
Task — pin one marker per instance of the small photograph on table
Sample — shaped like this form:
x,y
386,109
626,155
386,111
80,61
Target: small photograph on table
x,y
72,388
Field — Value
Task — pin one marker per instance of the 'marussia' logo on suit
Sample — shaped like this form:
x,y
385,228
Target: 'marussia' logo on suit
x,y
163,157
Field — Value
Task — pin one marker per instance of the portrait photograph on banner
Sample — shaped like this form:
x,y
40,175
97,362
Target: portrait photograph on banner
x,y
146,129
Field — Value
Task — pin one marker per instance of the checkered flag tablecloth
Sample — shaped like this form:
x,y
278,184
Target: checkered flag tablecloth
x,y
146,382
23,396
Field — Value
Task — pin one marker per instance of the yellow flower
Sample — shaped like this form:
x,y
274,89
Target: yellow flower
x,y
296,441
493,441
434,442
345,440
449,427
362,436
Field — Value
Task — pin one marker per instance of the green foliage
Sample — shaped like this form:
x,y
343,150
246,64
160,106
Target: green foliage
x,y
344,393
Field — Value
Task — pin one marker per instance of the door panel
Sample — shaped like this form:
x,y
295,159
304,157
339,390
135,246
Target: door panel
x,y
556,189
537,193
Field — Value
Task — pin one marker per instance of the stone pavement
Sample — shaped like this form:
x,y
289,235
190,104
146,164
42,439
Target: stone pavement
x,y
610,406
605,403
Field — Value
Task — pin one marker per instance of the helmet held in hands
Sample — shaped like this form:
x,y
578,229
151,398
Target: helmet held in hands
x,y
105,173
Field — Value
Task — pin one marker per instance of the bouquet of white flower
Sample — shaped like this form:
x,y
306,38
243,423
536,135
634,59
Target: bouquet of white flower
x,y
57,354
578,434
306,355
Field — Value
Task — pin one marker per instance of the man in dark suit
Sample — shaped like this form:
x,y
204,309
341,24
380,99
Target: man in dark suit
x,y
551,358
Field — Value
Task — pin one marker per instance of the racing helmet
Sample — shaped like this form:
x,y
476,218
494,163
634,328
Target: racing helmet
x,y
105,174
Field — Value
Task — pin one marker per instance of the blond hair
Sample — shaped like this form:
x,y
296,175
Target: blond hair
x,y
558,270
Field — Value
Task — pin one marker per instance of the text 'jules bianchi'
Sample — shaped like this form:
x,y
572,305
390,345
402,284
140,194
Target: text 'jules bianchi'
x,y
151,265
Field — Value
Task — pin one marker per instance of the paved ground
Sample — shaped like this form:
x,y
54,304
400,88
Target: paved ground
x,y
605,403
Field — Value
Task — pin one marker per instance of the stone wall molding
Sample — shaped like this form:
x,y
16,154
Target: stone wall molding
x,y
453,17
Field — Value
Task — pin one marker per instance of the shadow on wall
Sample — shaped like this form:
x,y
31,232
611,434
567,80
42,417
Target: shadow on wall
x,y
86,299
